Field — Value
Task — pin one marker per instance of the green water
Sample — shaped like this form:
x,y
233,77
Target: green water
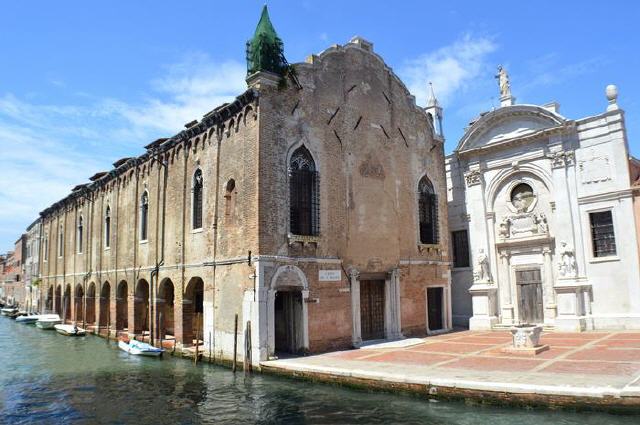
x,y
48,378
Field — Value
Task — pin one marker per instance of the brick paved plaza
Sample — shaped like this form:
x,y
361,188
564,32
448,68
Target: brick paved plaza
x,y
595,364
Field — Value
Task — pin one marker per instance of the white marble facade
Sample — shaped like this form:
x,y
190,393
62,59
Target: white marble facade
x,y
524,183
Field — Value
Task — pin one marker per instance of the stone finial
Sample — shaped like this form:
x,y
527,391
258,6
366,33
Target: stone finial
x,y
612,96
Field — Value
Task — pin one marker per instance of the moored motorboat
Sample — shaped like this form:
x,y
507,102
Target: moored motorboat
x,y
70,330
8,311
31,319
48,322
140,348
18,314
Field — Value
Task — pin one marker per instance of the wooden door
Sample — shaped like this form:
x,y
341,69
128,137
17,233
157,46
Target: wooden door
x,y
529,285
434,307
372,309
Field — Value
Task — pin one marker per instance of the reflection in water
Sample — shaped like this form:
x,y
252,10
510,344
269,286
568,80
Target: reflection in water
x,y
50,379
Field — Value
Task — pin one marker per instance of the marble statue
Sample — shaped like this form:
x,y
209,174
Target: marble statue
x,y
482,273
503,82
567,263
541,221
504,231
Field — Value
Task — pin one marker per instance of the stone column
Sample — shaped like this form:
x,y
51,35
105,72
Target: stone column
x,y
392,306
547,288
356,335
504,279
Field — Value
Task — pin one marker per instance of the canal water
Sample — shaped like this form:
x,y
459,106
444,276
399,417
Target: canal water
x,y
46,378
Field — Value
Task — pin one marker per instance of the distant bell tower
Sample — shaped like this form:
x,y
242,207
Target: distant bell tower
x,y
265,52
435,112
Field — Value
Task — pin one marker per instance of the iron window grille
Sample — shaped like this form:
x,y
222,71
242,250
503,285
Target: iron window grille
x,y
427,212
304,183
602,234
460,241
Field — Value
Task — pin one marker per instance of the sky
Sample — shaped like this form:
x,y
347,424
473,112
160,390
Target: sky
x,y
83,84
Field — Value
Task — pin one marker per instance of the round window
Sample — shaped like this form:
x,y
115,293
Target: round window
x,y
522,197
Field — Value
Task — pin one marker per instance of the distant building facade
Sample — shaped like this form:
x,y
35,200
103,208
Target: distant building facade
x,y
13,287
31,266
544,219
313,206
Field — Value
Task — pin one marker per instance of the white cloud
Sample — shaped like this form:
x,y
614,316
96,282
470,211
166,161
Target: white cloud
x,y
49,148
548,71
451,68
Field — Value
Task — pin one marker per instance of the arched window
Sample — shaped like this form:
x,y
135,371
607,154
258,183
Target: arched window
x,y
144,216
107,227
229,201
80,234
304,194
46,247
427,212
60,241
196,207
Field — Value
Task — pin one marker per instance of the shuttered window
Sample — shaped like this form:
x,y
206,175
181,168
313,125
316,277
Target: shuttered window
x,y
460,242
602,235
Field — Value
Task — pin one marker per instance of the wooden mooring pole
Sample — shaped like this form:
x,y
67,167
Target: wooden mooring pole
x,y
235,344
247,348
195,359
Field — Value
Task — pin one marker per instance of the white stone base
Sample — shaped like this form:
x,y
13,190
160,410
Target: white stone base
x,y
570,323
482,323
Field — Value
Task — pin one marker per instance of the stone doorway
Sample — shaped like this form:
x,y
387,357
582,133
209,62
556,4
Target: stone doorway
x,y
529,285
372,305
288,322
435,310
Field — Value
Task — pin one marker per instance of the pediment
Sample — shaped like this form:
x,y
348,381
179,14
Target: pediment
x,y
507,124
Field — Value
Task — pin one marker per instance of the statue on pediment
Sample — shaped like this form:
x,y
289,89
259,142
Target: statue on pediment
x,y
503,82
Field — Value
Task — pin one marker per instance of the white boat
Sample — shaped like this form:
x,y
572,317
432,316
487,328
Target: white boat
x,y
8,311
33,318
140,348
49,322
70,330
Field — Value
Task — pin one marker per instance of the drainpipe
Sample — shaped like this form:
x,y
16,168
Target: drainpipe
x,y
215,232
154,273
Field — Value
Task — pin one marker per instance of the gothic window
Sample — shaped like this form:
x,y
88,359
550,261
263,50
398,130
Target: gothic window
x,y
427,212
60,241
460,242
304,194
602,235
144,216
107,227
46,247
196,218
80,234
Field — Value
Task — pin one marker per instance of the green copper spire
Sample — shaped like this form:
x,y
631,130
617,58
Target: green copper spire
x,y
265,51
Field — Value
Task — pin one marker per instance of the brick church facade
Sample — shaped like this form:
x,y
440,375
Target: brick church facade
x,y
312,206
